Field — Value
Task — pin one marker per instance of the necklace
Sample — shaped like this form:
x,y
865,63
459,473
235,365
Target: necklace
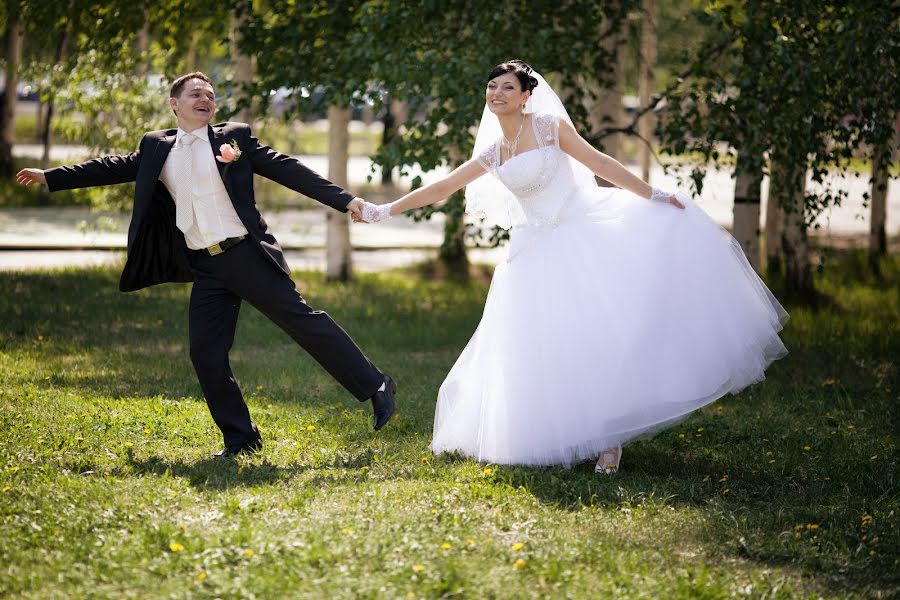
x,y
512,145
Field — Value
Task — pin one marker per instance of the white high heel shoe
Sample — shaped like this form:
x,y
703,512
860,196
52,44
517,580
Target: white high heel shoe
x,y
609,461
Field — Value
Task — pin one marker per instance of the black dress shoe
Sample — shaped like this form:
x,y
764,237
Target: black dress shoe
x,y
248,448
383,405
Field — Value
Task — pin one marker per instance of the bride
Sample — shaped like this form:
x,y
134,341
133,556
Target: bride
x,y
612,317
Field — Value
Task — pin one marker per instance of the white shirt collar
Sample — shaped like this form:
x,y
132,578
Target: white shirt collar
x,y
202,133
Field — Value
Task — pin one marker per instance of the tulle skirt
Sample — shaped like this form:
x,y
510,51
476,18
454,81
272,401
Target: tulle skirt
x,y
616,322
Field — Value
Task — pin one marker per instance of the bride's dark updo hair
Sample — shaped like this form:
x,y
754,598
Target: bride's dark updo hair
x,y
518,68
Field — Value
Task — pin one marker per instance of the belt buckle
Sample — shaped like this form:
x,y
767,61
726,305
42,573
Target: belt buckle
x,y
215,249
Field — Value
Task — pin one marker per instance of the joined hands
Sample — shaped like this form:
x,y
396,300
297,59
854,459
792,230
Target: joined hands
x,y
371,213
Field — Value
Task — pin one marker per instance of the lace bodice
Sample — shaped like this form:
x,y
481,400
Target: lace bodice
x,y
540,181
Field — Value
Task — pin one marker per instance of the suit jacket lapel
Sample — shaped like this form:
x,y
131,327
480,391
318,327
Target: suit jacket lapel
x,y
147,182
216,139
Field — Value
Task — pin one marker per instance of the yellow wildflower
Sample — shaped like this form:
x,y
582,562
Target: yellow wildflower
x,y
418,568
176,547
201,576
446,546
249,553
518,546
519,564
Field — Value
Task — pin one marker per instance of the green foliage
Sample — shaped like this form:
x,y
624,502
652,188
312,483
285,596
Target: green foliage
x,y
787,490
806,83
434,55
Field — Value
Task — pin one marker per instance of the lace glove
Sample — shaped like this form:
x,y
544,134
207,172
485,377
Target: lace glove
x,y
658,195
373,213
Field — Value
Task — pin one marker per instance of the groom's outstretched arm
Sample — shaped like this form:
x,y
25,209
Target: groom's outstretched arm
x,y
291,173
107,170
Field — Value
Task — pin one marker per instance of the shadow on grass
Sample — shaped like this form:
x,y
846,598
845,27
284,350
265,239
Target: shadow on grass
x,y
217,473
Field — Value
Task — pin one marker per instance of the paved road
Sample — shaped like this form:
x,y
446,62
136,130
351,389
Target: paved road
x,y
401,240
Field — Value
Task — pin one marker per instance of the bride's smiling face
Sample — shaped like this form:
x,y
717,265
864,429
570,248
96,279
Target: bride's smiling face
x,y
504,95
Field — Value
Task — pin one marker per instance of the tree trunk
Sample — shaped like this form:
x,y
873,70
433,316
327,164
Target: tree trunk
x,y
791,188
607,110
243,70
748,180
47,120
389,121
647,123
338,251
881,160
190,58
453,249
774,223
14,33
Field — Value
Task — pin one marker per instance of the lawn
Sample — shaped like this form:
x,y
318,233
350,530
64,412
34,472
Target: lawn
x,y
108,490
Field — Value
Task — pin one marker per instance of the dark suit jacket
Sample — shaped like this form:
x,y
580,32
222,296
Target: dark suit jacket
x,y
156,249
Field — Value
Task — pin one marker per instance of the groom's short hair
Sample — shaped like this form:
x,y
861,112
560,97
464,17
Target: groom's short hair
x,y
179,83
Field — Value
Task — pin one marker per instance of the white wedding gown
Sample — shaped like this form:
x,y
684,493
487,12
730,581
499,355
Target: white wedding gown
x,y
612,318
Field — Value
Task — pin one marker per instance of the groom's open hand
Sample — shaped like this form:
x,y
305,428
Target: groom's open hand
x,y
31,177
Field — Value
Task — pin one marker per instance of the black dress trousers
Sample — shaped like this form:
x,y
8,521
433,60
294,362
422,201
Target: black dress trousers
x,y
243,272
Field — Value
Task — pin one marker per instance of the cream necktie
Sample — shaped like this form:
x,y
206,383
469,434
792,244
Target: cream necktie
x,y
184,183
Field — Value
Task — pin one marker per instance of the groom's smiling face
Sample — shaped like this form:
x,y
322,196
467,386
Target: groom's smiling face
x,y
196,104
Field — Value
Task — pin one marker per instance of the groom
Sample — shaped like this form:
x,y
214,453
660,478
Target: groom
x,y
195,218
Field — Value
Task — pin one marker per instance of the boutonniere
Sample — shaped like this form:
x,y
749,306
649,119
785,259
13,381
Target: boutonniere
x,y
229,153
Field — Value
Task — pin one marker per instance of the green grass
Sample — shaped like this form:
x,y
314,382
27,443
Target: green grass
x,y
787,490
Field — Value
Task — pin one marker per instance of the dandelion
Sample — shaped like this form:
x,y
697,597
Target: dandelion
x,y
310,427
519,564
828,382
128,445
517,547
6,488
176,547
418,568
201,576
40,338
807,448
346,530
446,546
470,542
867,519
812,526
249,553
424,460
434,511
681,436
488,471
182,527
